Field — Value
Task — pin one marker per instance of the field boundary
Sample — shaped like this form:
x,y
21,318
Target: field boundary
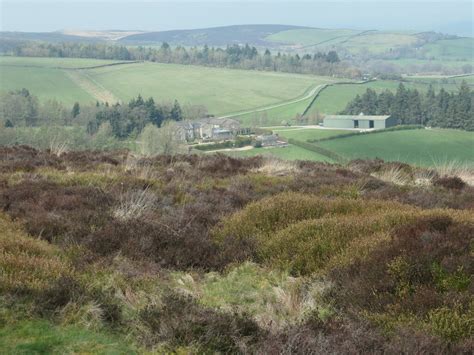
x,y
67,68
325,86
320,150
307,94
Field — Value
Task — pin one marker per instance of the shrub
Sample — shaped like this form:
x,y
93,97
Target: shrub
x,y
422,271
182,322
28,266
55,212
259,220
453,183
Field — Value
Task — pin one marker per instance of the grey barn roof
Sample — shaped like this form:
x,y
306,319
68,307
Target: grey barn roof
x,y
356,117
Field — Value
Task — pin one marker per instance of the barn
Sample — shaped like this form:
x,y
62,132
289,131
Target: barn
x,y
359,121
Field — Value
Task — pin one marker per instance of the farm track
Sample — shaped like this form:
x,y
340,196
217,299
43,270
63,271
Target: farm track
x,y
312,92
89,85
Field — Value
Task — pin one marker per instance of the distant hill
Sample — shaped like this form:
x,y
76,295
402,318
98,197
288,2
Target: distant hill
x,y
217,36
45,37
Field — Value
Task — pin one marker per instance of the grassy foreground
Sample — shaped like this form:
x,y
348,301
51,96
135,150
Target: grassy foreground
x,y
113,253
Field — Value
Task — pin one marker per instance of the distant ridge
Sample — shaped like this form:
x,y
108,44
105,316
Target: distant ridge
x,y
218,36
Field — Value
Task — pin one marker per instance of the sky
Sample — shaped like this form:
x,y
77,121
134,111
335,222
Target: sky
x,y
450,16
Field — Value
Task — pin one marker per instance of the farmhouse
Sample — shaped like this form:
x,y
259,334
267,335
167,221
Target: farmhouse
x,y
210,129
359,121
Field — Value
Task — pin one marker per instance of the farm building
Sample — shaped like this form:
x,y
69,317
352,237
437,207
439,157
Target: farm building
x,y
359,121
210,129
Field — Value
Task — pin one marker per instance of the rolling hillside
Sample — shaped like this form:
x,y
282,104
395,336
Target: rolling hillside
x,y
217,36
223,91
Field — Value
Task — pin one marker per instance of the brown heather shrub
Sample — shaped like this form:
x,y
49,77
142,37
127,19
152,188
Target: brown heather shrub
x,y
425,271
24,158
27,266
181,321
55,212
88,160
452,183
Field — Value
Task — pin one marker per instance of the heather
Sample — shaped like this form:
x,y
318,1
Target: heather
x,y
110,252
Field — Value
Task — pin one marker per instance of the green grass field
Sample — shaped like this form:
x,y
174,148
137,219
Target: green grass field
x,y
221,90
46,83
286,153
305,134
310,37
335,98
378,42
460,49
419,147
275,116
66,63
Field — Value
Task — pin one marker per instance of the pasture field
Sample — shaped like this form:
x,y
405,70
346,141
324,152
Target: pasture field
x,y
334,99
286,153
221,90
274,116
306,134
47,83
378,42
460,48
311,37
46,62
427,147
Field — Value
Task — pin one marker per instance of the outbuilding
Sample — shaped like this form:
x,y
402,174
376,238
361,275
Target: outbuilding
x,y
359,121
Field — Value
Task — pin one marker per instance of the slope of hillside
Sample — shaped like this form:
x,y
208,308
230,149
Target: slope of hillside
x,y
118,254
217,36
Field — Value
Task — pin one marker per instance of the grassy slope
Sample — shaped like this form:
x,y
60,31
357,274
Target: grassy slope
x,y
54,62
461,48
274,116
335,98
46,83
287,153
308,37
221,90
378,42
420,147
307,134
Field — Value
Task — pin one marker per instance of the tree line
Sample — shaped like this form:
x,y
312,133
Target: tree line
x,y
234,56
409,106
22,109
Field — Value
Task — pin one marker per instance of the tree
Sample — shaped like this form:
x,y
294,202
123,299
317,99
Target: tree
x,y
176,113
164,140
76,110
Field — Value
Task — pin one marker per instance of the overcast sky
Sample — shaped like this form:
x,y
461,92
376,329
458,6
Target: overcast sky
x,y
453,16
